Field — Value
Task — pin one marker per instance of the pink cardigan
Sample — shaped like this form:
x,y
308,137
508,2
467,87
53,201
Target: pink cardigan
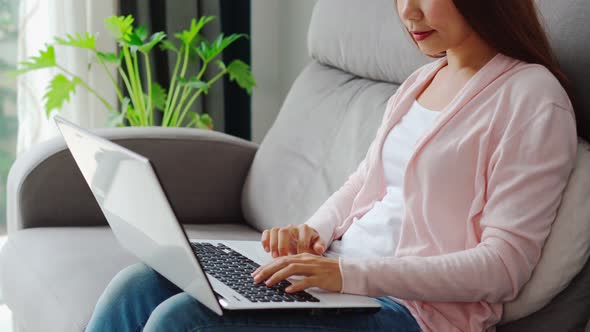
x,y
481,191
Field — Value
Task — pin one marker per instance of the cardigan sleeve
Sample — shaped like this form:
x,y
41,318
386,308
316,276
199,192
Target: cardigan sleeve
x,y
527,174
338,206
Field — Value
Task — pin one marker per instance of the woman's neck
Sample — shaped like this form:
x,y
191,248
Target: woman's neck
x,y
472,54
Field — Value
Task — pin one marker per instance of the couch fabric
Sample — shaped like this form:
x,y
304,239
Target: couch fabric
x,y
175,153
60,255
67,268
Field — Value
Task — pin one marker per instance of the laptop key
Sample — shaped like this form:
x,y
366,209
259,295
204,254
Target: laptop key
x,y
288,298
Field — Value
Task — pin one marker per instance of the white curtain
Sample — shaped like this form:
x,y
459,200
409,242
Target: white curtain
x,y
40,22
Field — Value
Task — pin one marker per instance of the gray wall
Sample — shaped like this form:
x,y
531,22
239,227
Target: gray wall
x,y
279,53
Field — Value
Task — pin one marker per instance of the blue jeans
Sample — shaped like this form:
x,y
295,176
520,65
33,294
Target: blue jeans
x,y
140,298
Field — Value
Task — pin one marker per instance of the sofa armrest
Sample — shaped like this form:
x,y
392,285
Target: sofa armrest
x,y
202,173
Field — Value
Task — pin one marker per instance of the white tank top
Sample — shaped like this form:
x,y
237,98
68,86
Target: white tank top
x,y
376,233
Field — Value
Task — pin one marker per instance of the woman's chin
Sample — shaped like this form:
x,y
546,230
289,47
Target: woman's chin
x,y
432,51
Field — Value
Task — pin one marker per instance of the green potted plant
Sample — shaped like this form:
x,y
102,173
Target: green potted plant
x,y
145,99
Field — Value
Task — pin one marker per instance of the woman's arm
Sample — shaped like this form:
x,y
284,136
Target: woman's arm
x,y
528,174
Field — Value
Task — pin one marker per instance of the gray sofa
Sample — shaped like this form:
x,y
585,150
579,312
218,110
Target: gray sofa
x,y
61,254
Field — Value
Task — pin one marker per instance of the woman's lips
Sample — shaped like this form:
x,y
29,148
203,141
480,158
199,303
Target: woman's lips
x,y
421,35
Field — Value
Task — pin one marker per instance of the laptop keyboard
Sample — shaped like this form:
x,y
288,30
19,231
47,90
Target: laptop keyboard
x,y
233,269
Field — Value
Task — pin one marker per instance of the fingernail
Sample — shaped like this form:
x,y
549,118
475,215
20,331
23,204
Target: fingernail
x,y
266,248
274,254
288,289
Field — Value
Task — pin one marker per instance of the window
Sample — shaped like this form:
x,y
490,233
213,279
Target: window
x,y
8,120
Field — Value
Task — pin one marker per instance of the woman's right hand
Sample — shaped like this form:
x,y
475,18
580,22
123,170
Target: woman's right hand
x,y
282,241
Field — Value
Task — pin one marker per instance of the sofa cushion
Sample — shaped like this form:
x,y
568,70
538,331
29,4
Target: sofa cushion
x,y
52,277
344,34
326,124
569,311
566,249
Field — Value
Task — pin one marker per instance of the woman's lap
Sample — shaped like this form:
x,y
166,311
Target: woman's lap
x,y
184,311
166,308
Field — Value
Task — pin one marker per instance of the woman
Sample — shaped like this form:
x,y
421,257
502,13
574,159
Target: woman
x,y
493,139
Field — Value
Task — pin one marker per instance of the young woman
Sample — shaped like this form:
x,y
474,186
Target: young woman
x,y
442,228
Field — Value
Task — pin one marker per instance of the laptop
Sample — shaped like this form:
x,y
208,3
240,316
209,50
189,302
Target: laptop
x,y
215,272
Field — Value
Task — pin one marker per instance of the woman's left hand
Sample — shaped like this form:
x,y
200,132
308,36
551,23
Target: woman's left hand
x,y
319,271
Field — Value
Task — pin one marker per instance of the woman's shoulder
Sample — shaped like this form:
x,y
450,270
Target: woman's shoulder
x,y
535,83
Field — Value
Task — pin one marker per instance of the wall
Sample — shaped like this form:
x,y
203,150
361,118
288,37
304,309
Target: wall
x,y
279,53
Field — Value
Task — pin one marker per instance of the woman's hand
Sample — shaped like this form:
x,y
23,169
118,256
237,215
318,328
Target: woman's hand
x,y
282,241
319,271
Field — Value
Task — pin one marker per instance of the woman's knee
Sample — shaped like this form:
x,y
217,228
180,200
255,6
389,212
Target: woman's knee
x,y
180,313
132,279
131,296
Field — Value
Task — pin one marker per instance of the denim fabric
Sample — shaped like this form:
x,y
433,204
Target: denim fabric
x,y
138,298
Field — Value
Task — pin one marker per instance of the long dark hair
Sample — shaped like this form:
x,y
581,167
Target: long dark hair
x,y
513,28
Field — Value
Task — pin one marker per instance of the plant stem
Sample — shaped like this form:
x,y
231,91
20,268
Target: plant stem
x,y
202,71
148,70
91,90
119,94
143,113
194,97
128,85
182,72
185,94
172,84
133,93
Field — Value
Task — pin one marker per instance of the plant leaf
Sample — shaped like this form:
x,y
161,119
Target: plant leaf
x,y
220,64
240,72
120,26
87,41
154,40
58,92
210,51
187,36
132,115
158,96
141,32
110,57
203,49
116,119
167,45
195,84
134,43
194,118
207,121
45,59
201,121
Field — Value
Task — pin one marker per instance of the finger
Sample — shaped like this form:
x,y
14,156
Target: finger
x,y
304,239
302,285
265,271
274,238
294,235
319,246
287,271
284,241
265,240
